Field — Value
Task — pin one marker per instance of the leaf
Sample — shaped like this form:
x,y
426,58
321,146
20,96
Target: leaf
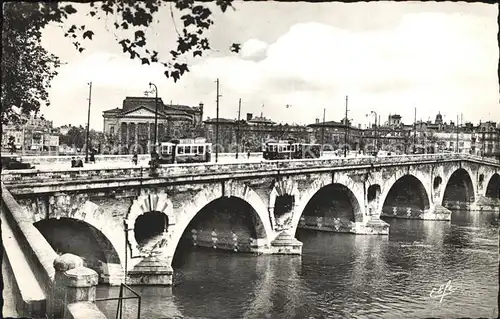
x,y
139,34
92,13
81,49
235,47
88,34
181,67
175,75
197,52
124,25
145,61
69,9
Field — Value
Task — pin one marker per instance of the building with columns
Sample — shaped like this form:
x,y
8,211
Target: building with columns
x,y
131,128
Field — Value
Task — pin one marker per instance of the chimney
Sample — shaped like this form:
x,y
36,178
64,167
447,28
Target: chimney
x,y
317,121
249,116
201,111
359,126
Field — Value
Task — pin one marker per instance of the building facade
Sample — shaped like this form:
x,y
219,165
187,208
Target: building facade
x,y
334,135
132,127
252,133
34,137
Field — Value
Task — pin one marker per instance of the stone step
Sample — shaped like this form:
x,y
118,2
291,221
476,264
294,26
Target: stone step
x,y
32,301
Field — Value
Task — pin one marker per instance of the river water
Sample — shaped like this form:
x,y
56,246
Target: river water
x,y
340,276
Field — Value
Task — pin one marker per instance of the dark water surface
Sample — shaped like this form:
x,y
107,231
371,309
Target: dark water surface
x,y
339,276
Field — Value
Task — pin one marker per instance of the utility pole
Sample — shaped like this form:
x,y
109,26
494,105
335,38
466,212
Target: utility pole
x,y
457,136
415,131
217,125
346,128
88,124
238,129
323,132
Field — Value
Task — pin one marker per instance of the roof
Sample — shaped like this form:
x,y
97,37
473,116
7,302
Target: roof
x,y
327,123
115,110
221,121
259,119
131,103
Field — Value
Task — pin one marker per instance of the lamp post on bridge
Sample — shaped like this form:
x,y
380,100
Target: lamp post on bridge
x,y
88,125
155,137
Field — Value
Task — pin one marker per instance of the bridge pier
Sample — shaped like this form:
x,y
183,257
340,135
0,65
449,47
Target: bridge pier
x,y
437,212
154,270
371,225
483,203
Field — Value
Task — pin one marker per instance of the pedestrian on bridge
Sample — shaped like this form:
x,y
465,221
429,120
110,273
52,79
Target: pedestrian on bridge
x,y
134,158
79,163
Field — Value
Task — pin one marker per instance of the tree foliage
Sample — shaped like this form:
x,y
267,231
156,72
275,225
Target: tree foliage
x,y
77,135
27,68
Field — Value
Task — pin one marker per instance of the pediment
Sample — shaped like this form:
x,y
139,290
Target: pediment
x,y
140,112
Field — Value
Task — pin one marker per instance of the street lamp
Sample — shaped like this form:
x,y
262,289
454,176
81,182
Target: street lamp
x,y
88,125
153,151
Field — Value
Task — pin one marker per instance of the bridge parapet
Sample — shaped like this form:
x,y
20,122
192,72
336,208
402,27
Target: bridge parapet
x,y
23,177
30,257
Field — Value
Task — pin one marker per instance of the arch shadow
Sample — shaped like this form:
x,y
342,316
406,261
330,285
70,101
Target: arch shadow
x,y
226,223
493,187
459,190
68,235
206,197
407,198
333,207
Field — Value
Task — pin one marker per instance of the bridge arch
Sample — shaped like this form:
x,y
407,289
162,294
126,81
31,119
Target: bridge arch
x,y
212,193
492,189
348,194
149,206
458,187
407,196
282,200
80,233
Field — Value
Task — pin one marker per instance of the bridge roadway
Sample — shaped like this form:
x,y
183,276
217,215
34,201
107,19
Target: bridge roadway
x,y
53,173
125,161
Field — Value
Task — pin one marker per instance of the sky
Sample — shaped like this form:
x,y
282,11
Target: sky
x,y
387,57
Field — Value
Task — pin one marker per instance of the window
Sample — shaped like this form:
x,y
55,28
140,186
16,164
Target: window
x,y
180,149
201,149
112,130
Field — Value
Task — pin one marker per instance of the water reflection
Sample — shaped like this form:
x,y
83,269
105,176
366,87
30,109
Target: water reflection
x,y
343,276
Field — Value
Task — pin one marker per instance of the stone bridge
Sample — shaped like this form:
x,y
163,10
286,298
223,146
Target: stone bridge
x,y
128,223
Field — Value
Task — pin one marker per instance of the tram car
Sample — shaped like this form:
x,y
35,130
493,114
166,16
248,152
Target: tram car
x,y
273,150
185,151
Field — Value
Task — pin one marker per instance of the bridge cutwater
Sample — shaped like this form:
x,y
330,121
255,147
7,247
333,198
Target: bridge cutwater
x,y
126,223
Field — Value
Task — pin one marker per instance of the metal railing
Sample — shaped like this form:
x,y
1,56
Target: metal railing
x,y
120,298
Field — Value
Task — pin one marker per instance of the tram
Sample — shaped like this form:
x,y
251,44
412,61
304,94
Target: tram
x,y
185,151
275,150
